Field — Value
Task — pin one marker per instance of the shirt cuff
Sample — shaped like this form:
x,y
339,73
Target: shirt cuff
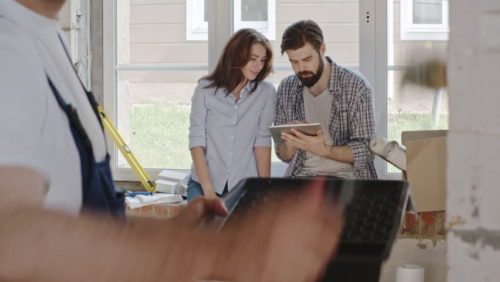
x,y
360,153
262,142
197,142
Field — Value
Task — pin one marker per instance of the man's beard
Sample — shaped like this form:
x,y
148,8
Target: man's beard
x,y
311,78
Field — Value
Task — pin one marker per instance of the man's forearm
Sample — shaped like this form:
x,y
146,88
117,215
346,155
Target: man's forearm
x,y
339,153
285,152
85,248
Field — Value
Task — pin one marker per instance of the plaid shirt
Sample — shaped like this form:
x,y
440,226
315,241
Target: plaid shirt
x,y
351,122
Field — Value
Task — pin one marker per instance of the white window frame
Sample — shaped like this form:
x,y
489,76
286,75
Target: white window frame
x,y
373,55
196,27
268,28
110,78
220,30
413,31
77,27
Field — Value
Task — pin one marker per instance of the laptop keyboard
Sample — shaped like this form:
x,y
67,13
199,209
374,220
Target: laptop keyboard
x,y
256,199
369,217
372,211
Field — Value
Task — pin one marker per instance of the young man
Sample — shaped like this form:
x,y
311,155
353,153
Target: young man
x,y
54,165
323,92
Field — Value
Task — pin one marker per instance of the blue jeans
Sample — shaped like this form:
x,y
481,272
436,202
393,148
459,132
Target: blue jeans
x,y
194,190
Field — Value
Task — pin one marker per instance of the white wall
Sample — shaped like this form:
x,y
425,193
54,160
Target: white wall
x,y
430,255
473,163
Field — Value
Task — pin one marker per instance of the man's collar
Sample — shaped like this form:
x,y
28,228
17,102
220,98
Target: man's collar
x,y
332,83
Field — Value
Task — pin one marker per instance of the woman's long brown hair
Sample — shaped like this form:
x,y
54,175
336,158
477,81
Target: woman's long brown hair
x,y
236,55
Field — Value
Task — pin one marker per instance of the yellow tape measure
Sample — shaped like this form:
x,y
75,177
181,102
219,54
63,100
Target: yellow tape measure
x,y
144,177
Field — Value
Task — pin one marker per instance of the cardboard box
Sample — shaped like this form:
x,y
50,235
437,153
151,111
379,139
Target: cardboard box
x,y
426,168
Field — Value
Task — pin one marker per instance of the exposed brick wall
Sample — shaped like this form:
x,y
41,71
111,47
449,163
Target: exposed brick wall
x,y
424,225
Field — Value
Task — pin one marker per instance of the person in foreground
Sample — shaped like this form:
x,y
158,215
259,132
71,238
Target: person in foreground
x,y
323,92
60,219
231,111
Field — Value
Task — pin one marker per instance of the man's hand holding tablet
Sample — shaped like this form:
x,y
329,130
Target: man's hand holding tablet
x,y
305,128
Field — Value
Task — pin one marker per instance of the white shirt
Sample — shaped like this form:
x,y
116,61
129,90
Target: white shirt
x,y
34,131
229,129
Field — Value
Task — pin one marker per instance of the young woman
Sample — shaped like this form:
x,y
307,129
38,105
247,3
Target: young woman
x,y
231,111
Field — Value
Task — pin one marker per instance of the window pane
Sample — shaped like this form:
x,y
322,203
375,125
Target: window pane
x,y
339,21
427,11
205,10
412,107
254,10
157,73
154,101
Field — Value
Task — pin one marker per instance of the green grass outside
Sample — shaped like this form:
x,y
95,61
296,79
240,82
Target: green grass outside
x,y
159,133
411,121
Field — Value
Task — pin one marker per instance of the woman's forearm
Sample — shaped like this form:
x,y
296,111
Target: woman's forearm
x,y
263,159
201,167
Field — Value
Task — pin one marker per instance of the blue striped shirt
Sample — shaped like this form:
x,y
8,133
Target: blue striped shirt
x,y
229,129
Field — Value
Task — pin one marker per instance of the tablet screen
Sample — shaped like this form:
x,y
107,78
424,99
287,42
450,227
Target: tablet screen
x,y
306,128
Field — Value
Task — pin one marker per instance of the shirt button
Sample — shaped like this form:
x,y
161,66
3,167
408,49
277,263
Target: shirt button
x,y
234,122
232,137
230,153
235,106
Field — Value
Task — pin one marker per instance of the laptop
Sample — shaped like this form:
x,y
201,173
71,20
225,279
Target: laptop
x,y
373,211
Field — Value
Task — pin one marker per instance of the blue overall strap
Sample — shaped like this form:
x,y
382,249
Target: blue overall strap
x,y
76,130
98,191
91,195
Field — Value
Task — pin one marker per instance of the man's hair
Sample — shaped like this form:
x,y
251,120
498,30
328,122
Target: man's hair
x,y
299,33
236,54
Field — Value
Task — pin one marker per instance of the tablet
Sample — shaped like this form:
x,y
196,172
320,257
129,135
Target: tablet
x,y
306,128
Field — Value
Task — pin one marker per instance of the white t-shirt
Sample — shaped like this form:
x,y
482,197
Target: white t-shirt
x,y
34,131
319,109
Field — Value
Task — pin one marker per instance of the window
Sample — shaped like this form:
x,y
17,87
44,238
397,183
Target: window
x,y
152,71
412,107
258,14
340,24
401,107
77,30
424,19
152,64
196,20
